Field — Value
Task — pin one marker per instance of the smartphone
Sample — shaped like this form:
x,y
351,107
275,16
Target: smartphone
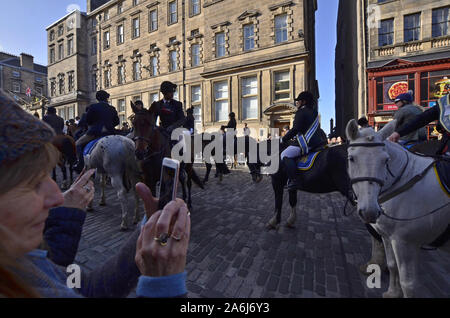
x,y
169,181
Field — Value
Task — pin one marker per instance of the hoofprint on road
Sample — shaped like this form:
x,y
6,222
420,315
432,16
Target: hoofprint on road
x,y
231,254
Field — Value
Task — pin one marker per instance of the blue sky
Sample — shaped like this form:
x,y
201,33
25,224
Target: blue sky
x,y
22,29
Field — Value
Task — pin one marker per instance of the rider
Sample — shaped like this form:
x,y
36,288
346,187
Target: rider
x,y
190,120
101,119
405,113
170,111
440,112
231,125
54,121
306,129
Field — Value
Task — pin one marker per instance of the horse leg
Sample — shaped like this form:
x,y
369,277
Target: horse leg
x,y
407,257
116,182
293,203
278,189
65,184
378,257
394,290
103,185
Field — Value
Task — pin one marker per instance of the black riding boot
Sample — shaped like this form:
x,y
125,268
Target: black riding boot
x,y
80,164
291,169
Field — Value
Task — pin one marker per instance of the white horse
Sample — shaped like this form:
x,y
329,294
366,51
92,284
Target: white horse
x,y
113,156
408,219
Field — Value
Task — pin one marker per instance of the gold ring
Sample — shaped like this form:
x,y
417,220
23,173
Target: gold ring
x,y
162,239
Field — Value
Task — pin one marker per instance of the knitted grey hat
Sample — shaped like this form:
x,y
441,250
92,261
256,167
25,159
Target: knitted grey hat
x,y
20,132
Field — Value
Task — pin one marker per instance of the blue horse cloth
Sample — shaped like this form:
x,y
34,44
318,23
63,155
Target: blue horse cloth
x,y
305,163
88,148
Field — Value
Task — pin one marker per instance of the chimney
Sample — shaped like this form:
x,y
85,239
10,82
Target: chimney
x,y
26,61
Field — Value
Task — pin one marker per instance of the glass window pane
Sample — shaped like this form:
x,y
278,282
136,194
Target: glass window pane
x,y
196,94
250,107
249,86
222,110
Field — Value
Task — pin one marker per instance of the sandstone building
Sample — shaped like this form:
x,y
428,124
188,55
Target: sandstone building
x,y
23,80
250,58
386,47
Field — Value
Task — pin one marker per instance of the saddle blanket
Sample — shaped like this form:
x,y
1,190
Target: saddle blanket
x,y
88,148
409,144
305,163
442,170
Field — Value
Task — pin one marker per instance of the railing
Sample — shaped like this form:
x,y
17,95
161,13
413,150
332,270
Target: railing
x,y
414,47
386,51
443,42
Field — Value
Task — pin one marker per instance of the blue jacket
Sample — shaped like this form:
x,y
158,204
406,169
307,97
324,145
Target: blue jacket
x,y
99,116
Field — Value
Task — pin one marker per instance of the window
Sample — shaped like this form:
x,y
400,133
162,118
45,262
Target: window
x,y
412,27
69,46
16,74
153,20
38,79
120,34
194,7
107,43
38,90
154,97
61,85
173,63
62,113
121,74
154,66
281,34
60,30
136,28
433,86
282,85
52,55
220,44
135,2
60,51
195,54
16,87
195,32
106,15
94,82
249,37
71,112
250,98
221,100
119,7
52,35
107,76
53,88
386,32
196,100
403,83
70,79
94,45
173,16
94,22
121,105
441,22
136,71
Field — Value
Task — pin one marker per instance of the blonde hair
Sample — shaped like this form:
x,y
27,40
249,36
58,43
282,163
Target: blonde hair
x,y
29,167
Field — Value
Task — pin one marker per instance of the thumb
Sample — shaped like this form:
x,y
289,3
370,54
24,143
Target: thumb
x,y
150,203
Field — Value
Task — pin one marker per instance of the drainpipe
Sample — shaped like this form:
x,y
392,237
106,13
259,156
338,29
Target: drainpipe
x,y
183,21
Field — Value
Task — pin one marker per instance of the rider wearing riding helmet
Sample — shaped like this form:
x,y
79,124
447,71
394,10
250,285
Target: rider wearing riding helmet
x,y
101,119
306,129
441,112
406,112
190,120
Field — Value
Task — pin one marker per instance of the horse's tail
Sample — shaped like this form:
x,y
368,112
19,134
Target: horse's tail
x,y
194,177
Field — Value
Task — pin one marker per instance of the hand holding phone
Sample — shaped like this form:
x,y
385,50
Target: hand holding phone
x,y
168,183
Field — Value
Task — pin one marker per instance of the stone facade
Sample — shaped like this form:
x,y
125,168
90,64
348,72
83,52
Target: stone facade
x,y
17,74
358,56
268,57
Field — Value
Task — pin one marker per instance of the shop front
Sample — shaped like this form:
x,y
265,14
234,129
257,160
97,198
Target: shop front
x,y
429,80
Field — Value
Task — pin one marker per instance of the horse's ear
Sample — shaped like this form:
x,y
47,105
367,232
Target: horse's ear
x,y
133,107
352,130
388,129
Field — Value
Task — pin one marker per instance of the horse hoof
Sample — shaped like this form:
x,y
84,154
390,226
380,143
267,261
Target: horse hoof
x,y
102,203
123,228
290,225
393,294
270,227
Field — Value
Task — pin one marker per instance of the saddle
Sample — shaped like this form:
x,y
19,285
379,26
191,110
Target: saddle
x,y
307,161
88,148
442,169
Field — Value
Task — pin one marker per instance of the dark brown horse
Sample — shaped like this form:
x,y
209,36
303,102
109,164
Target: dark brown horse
x,y
151,146
66,146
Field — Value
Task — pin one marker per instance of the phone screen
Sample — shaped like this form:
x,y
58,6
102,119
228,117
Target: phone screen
x,y
166,185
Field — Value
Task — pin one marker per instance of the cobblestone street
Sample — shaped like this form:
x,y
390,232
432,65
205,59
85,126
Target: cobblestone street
x,y
232,255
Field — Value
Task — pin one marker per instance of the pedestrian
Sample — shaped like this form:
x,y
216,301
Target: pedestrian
x,y
190,120
153,258
54,121
246,130
285,130
77,120
406,112
72,129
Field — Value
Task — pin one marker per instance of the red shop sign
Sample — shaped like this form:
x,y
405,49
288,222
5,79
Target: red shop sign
x,y
390,107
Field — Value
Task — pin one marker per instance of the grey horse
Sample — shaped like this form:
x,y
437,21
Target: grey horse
x,y
113,156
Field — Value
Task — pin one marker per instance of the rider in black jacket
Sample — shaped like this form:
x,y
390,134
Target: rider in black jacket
x,y
306,130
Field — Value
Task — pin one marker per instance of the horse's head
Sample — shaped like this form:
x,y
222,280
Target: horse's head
x,y
143,126
368,166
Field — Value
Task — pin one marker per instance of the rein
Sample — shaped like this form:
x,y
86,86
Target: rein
x,y
386,197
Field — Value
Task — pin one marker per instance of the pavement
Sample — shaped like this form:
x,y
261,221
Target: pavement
x,y
232,255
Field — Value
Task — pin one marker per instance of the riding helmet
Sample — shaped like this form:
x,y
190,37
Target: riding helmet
x,y
102,96
168,87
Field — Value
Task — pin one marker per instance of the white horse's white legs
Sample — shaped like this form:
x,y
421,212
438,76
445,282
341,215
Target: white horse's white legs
x,y
103,185
378,257
406,255
117,184
394,291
